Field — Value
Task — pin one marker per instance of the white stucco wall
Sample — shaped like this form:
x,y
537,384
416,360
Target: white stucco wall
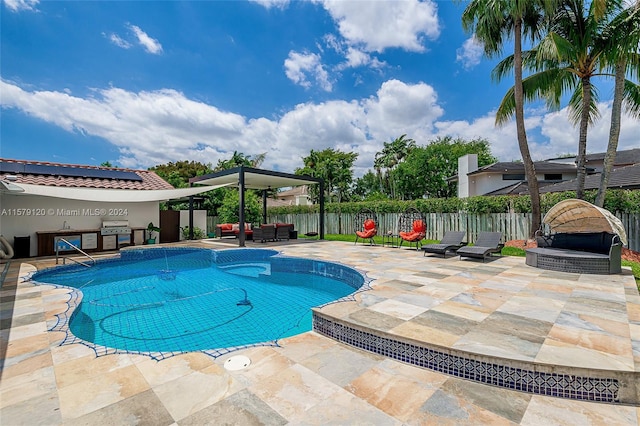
x,y
24,215
488,182
199,220
466,186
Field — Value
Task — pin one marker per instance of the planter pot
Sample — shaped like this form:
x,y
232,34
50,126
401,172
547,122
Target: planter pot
x,y
151,241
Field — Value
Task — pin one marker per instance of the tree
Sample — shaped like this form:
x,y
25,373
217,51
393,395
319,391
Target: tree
x,y
230,207
239,159
335,167
623,38
392,154
106,164
426,170
572,50
493,21
179,173
575,50
367,187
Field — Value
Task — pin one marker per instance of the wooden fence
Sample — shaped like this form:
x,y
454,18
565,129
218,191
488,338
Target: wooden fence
x,y
514,226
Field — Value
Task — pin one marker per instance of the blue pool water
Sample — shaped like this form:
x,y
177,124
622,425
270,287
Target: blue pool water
x,y
178,300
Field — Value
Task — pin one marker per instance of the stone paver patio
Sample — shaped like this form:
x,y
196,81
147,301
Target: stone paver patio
x,y
501,309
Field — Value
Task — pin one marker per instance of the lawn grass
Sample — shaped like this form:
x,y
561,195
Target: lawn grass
x,y
506,251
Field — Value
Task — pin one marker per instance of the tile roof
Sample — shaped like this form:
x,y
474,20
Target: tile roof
x,y
520,188
627,177
629,156
148,180
518,167
623,158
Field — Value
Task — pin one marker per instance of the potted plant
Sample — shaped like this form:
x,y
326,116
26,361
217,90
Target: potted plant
x,y
151,228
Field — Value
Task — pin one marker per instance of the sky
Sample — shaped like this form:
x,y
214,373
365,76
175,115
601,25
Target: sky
x,y
141,83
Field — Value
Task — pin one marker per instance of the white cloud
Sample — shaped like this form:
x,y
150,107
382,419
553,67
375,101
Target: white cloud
x,y
299,66
19,5
470,53
150,44
157,127
379,25
268,4
365,28
118,41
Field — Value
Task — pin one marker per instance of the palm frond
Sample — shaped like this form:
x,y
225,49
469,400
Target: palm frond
x,y
632,98
506,109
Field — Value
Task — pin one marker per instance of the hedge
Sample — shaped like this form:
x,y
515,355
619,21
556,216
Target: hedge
x,y
616,200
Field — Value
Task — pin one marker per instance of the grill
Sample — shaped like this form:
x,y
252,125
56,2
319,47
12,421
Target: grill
x,y
115,227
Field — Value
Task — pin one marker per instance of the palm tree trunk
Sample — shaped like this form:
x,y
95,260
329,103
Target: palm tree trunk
x,y
614,131
529,167
582,141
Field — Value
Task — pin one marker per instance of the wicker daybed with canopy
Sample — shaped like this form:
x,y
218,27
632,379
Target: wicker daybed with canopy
x,y
581,238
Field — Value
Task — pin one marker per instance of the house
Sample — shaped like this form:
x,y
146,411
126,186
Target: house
x,y
626,177
296,196
554,175
505,177
596,161
94,208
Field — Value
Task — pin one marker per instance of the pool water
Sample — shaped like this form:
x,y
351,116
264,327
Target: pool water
x,y
198,299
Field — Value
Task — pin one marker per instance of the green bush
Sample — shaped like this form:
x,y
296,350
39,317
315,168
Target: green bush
x,y
228,211
617,200
198,233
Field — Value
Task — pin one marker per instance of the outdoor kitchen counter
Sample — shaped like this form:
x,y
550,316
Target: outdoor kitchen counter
x,y
90,240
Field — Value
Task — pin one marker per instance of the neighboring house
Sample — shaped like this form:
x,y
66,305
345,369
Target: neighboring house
x,y
554,175
43,201
296,196
505,177
627,177
596,161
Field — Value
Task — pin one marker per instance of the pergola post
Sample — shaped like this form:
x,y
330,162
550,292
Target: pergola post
x,y
190,215
264,206
322,209
241,233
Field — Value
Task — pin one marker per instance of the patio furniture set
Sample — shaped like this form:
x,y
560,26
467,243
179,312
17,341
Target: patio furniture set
x,y
581,238
266,232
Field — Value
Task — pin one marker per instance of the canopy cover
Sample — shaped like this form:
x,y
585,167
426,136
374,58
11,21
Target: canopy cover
x,y
576,216
105,195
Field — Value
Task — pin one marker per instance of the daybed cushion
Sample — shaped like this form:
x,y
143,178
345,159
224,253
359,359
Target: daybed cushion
x,y
593,242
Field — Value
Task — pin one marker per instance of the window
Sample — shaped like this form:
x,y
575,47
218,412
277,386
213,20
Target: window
x,y
513,176
553,176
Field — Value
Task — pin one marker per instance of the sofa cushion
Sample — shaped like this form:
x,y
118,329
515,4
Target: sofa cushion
x,y
594,242
225,226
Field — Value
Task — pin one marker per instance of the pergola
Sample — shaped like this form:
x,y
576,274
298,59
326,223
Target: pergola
x,y
250,178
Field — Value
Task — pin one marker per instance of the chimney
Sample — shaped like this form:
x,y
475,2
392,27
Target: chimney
x,y
466,164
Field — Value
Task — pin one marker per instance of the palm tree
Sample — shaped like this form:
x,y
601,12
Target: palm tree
x,y
573,52
494,21
239,159
392,154
623,37
574,48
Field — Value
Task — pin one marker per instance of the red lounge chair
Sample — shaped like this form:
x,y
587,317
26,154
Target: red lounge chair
x,y
369,227
412,226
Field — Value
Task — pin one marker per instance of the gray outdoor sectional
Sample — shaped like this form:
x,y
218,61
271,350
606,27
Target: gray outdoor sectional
x,y
586,252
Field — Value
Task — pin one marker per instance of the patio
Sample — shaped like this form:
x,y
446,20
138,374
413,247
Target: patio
x,y
501,310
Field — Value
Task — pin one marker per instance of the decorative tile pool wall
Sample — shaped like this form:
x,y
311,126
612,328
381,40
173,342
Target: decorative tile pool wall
x,y
536,382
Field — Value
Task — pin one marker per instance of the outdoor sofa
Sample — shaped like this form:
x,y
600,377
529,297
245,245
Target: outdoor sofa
x,y
579,252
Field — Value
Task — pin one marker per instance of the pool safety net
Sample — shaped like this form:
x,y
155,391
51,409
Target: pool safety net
x,y
215,304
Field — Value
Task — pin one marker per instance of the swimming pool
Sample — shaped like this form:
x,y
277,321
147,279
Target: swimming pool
x,y
174,300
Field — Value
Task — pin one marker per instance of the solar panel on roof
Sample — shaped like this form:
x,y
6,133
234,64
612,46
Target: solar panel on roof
x,y
43,169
